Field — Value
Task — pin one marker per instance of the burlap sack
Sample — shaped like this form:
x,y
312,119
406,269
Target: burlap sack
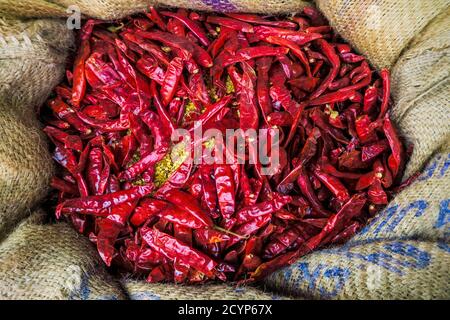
x,y
420,87
139,290
31,64
115,9
40,261
380,29
403,253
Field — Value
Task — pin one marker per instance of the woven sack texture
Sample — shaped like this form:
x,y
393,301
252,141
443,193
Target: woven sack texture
x,y
30,66
402,253
381,29
115,9
52,262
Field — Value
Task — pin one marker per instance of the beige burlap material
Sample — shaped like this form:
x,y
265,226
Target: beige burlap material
x,y
403,253
115,9
39,261
420,87
31,64
380,29
139,290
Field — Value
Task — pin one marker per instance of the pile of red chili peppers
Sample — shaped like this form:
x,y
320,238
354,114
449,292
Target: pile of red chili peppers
x,y
137,80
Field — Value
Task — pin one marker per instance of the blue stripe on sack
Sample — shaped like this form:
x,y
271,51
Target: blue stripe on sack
x,y
220,5
444,246
390,217
437,168
444,216
419,259
83,291
144,295
336,277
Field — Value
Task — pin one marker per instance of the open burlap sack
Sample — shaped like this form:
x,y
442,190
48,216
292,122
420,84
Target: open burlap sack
x,y
115,9
39,261
31,64
403,253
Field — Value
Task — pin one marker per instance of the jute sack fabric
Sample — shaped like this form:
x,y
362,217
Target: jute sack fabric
x,y
52,261
115,9
407,243
380,29
140,290
30,66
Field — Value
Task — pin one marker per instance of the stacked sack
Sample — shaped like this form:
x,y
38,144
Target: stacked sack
x,y
403,253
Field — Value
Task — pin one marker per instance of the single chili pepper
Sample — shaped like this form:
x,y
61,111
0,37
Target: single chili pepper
x,y
172,248
191,25
180,217
365,129
200,55
208,187
280,242
100,202
94,169
314,15
230,23
188,203
171,79
146,45
149,67
396,159
296,50
64,112
70,141
319,29
308,191
225,189
79,79
252,53
263,208
332,97
333,184
250,227
350,57
370,99
162,112
299,37
155,17
111,125
251,18
333,59
262,85
384,73
63,186
373,150
147,208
